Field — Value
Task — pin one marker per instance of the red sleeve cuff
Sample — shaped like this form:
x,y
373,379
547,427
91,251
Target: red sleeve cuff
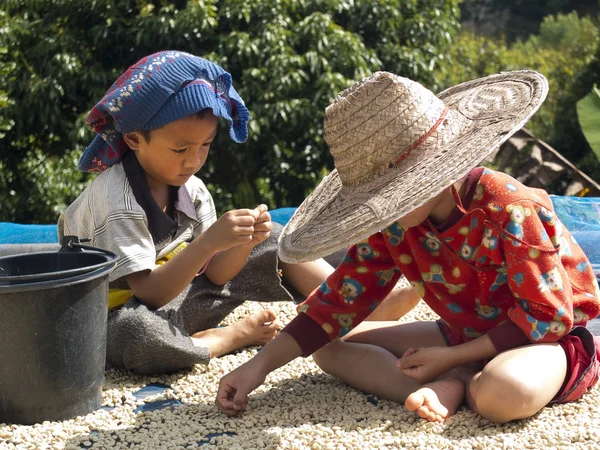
x,y
309,335
508,335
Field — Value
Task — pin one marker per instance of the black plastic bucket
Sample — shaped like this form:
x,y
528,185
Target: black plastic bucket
x,y
53,333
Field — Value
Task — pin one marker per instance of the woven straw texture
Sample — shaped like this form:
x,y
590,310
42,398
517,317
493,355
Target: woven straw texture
x,y
393,151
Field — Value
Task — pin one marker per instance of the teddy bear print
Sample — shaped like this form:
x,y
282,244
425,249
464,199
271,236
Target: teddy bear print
x,y
524,304
385,276
436,276
454,308
365,251
489,241
546,215
471,333
582,266
345,321
418,286
324,288
431,243
564,248
539,329
557,327
395,233
551,281
474,224
487,312
351,289
517,216
501,278
466,251
374,305
478,192
518,278
303,308
558,234
579,316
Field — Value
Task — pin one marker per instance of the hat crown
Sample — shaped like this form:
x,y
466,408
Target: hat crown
x,y
376,122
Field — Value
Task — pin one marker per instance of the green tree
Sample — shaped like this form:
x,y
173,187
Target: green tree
x,y
568,133
563,51
518,19
288,59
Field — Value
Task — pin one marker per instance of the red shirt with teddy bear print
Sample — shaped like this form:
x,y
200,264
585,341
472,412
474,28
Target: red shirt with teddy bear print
x,y
504,265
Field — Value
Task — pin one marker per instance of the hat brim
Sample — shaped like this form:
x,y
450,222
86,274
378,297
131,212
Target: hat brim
x,y
334,216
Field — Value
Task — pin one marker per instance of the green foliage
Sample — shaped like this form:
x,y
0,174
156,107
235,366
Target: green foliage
x,y
588,113
568,134
288,59
562,50
519,19
50,183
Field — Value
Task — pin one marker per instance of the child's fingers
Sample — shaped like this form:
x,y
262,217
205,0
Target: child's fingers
x,y
410,372
243,231
264,217
260,237
263,227
245,221
410,351
262,208
409,360
244,212
224,397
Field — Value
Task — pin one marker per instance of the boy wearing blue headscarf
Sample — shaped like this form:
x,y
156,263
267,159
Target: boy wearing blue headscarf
x,y
180,269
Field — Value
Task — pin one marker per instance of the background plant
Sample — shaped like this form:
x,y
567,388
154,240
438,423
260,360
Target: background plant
x,y
288,58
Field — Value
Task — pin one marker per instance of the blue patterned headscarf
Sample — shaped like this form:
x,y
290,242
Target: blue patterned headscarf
x,y
157,90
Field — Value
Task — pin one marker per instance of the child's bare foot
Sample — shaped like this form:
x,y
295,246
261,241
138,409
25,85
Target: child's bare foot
x,y
257,329
437,400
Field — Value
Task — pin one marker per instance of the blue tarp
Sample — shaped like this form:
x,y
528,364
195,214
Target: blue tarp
x,y
16,233
580,215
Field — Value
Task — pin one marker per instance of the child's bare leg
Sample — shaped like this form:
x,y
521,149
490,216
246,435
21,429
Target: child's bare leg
x,y
517,383
306,277
439,399
256,329
401,300
366,359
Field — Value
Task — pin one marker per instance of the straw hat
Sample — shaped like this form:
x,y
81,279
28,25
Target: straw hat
x,y
396,145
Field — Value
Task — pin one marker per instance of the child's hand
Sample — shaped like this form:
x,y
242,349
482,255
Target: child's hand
x,y
262,225
232,396
233,228
426,364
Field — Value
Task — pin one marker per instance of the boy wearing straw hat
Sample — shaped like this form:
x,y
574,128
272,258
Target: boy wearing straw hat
x,y
511,286
155,127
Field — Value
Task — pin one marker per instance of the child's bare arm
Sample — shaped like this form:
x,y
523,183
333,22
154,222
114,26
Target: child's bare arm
x,y
428,363
159,286
234,387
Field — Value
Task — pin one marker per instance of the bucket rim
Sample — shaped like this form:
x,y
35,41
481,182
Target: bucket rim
x,y
108,257
55,284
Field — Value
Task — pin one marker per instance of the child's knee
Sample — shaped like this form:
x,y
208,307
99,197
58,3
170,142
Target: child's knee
x,y
500,398
325,357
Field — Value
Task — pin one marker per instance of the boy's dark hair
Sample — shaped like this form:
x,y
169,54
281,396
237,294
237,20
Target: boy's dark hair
x,y
147,133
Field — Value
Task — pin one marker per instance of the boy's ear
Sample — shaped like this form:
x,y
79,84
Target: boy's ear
x,y
133,139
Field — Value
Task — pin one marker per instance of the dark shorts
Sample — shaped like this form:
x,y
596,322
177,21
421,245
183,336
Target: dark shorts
x,y
582,350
